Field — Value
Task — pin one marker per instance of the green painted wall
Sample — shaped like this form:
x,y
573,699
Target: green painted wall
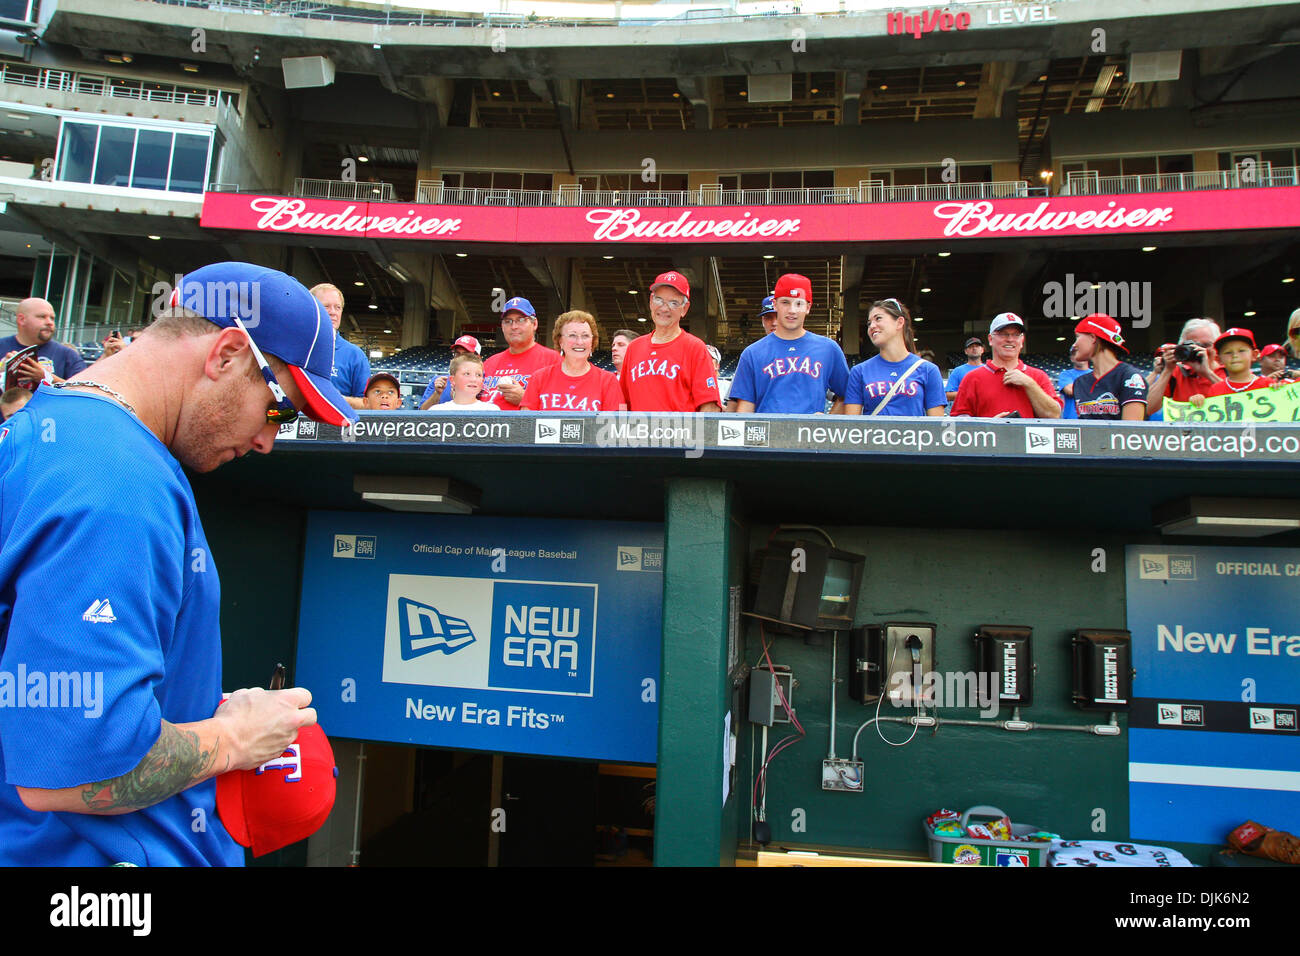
x,y
958,580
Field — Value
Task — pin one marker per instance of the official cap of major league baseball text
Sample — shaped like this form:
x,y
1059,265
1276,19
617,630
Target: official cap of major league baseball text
x,y
793,286
469,343
284,800
1003,319
283,318
1104,327
519,304
1244,334
674,280
769,306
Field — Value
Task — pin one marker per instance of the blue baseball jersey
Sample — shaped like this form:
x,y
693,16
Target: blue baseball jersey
x,y
109,605
428,390
956,375
351,368
64,360
790,376
870,382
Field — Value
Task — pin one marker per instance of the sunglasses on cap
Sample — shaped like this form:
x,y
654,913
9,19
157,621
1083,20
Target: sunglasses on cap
x,y
898,306
284,411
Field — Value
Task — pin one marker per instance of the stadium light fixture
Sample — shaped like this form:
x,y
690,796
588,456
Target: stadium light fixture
x,y
1148,248
1288,280
462,255
925,288
944,255
1227,517
358,282
374,306
417,493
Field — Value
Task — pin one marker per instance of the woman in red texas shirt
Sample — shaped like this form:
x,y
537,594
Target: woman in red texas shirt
x,y
574,385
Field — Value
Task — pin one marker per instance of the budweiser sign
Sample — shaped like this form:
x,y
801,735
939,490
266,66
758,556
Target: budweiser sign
x,y
978,218
837,224
619,224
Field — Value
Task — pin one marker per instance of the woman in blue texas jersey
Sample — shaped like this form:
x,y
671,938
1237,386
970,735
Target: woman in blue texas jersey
x,y
874,385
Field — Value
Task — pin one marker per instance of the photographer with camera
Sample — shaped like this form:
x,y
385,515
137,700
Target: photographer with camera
x,y
1189,368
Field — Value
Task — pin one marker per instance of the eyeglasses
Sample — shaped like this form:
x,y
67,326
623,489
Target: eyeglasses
x,y
284,411
577,336
671,303
521,320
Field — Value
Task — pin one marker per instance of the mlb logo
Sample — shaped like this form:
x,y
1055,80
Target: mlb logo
x,y
731,433
1170,715
1012,858
756,433
546,433
1284,720
571,432
1040,441
1153,567
1069,441
1261,718
1182,567
629,559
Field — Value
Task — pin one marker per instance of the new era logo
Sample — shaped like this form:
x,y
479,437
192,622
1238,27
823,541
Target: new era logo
x,y
552,432
425,629
730,434
1153,567
639,559
99,612
1180,715
1053,441
354,546
743,433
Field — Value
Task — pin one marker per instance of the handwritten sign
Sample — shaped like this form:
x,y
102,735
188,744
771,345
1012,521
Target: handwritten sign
x,y
1258,405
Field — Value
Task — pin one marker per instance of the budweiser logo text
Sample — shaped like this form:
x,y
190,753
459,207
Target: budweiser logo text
x,y
976,218
286,215
926,22
619,224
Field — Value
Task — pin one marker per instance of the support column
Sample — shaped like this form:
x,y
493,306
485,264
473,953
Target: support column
x,y
693,827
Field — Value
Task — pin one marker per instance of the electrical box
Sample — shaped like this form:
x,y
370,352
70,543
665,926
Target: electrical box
x,y
1103,669
764,703
891,658
1007,653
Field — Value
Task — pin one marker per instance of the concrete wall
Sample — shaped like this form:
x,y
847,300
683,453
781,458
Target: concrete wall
x,y
1148,132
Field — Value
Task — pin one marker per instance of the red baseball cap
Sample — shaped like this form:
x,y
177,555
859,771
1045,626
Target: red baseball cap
x,y
284,800
673,279
1245,334
470,343
1104,327
1270,349
793,286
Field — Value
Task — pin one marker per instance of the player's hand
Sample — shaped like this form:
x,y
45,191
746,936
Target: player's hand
x,y
261,723
513,392
1016,377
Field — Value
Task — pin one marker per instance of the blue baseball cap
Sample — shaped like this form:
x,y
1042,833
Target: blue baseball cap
x,y
519,304
282,317
769,305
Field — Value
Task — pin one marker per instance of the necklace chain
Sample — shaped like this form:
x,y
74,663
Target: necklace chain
x,y
103,388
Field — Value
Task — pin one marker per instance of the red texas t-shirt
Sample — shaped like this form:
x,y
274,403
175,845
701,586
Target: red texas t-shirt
x,y
551,390
677,376
519,367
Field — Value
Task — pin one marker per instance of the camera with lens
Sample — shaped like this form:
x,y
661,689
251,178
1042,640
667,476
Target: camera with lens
x,y
1187,352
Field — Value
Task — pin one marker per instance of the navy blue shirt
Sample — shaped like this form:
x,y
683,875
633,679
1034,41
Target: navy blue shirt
x,y
1104,398
64,361
790,376
351,368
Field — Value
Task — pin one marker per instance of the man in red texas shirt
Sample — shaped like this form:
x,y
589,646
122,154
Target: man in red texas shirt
x,y
506,374
669,370
1004,386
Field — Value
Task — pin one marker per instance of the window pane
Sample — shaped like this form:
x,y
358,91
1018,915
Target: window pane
x,y
189,162
1139,165
77,152
537,181
114,165
152,152
507,180
755,180
819,178
787,180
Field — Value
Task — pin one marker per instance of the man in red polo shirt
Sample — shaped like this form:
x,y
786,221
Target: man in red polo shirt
x,y
1181,380
506,374
1004,386
669,370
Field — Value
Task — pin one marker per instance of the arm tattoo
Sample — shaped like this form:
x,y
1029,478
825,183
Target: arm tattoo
x,y
174,763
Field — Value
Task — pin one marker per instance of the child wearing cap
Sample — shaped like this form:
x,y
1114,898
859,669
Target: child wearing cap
x,y
1114,389
1237,352
466,383
383,394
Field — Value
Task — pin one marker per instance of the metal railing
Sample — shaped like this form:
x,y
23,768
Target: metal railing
x,y
1244,176
712,194
340,189
67,81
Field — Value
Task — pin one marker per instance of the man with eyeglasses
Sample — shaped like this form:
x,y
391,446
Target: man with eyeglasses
x,y
1195,373
669,370
506,374
790,371
351,373
1004,386
119,589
